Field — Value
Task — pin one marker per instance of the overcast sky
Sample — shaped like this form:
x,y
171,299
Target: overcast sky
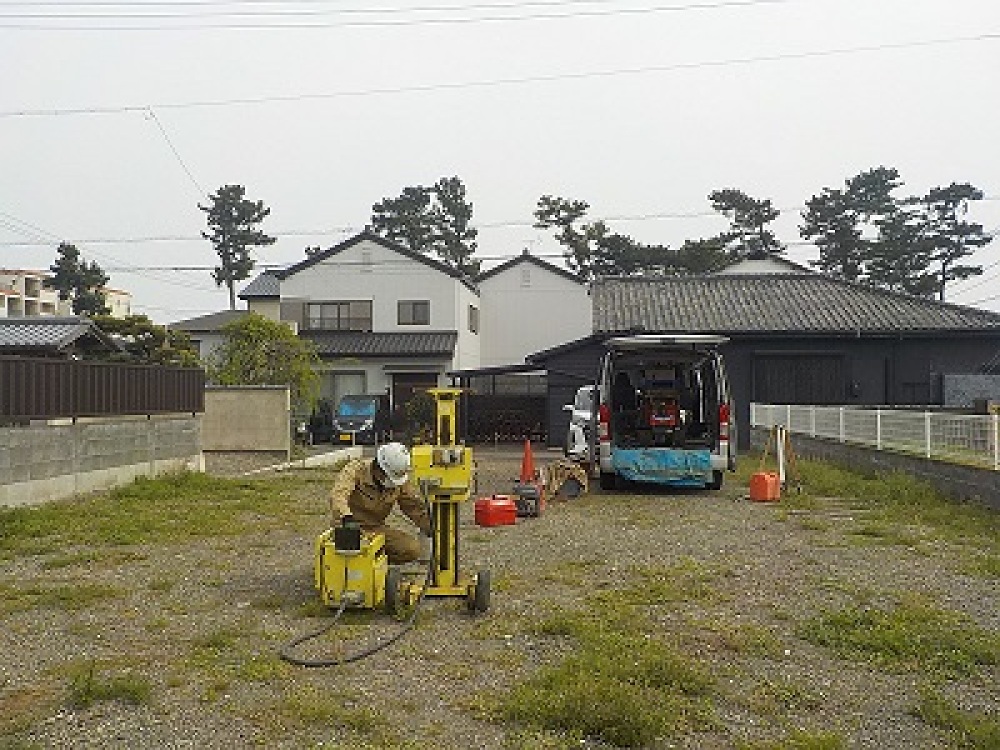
x,y
117,118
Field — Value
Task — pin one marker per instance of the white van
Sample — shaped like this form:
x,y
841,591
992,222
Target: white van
x,y
664,411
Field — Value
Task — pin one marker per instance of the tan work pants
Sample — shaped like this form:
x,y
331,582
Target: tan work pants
x,y
399,546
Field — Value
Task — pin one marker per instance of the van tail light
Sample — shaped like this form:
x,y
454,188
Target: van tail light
x,y
604,423
723,421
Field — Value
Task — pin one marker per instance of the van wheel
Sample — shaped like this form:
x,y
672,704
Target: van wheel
x,y
609,480
716,483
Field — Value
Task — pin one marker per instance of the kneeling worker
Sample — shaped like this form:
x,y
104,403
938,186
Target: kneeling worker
x,y
368,490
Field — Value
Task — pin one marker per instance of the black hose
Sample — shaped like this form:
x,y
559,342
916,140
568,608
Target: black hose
x,y
286,650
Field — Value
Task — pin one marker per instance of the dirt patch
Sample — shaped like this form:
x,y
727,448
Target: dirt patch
x,y
195,625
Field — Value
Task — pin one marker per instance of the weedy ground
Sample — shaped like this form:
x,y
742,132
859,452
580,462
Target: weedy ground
x,y
859,613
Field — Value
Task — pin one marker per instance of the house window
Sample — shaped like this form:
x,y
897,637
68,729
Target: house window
x,y
525,276
473,318
340,316
414,312
366,261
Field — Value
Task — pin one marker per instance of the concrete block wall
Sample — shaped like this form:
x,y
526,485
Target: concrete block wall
x,y
247,418
52,461
964,483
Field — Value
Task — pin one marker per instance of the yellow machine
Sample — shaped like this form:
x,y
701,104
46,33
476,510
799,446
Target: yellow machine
x,y
351,566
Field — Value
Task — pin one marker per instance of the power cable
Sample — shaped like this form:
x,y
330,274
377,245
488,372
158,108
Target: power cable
x,y
152,116
287,13
513,81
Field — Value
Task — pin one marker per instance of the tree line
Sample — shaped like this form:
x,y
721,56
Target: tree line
x,y
864,232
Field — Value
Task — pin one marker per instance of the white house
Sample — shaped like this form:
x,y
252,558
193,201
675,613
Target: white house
x,y
529,305
385,320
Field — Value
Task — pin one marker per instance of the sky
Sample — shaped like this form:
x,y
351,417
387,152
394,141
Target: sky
x,y
118,118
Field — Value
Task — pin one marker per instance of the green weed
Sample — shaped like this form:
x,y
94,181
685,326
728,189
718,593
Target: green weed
x,y
800,740
625,689
311,706
687,581
87,686
969,729
64,596
168,509
776,697
910,636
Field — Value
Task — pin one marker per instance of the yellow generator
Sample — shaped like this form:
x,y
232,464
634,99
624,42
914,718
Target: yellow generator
x,y
351,566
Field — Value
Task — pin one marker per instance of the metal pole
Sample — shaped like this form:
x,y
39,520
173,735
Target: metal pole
x,y
996,441
927,432
878,429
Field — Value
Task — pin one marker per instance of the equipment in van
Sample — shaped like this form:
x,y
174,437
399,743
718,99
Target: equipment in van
x,y
664,412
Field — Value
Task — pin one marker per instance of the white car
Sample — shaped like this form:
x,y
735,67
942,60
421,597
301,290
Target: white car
x,y
581,417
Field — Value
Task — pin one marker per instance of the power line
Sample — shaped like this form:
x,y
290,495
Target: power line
x,y
41,21
513,81
176,153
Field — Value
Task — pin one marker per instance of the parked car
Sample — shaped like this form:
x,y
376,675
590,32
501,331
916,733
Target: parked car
x,y
357,419
580,429
664,411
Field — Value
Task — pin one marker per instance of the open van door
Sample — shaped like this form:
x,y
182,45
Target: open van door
x,y
664,412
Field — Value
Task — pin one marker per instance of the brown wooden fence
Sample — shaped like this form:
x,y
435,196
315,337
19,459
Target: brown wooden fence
x,y
56,388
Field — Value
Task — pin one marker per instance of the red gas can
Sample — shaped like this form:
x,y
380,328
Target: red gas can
x,y
496,510
765,487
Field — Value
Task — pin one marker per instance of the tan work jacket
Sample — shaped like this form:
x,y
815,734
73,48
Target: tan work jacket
x,y
355,491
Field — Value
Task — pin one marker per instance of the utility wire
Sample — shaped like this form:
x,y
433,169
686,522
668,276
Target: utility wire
x,y
513,81
152,116
42,20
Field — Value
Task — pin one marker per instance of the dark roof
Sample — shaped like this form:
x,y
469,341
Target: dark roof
x,y
53,335
265,285
210,323
526,257
379,240
772,303
358,344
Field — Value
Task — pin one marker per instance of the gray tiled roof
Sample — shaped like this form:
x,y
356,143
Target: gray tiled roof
x,y
208,323
357,344
771,303
265,285
51,333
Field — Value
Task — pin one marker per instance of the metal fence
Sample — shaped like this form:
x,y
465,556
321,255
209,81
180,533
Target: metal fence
x,y
969,439
58,388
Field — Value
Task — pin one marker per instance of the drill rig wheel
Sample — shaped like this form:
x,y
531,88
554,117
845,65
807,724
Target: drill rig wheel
x,y
393,586
479,597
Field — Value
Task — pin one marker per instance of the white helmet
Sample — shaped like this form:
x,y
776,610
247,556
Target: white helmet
x,y
394,460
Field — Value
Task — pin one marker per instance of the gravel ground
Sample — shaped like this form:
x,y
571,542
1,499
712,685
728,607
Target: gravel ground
x,y
202,620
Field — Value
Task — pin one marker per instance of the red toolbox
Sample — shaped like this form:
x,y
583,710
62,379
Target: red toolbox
x,y
496,510
765,487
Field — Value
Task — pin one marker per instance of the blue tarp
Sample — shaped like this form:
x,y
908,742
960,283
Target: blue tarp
x,y
688,468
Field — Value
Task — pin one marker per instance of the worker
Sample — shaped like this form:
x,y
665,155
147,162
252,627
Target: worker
x,y
368,490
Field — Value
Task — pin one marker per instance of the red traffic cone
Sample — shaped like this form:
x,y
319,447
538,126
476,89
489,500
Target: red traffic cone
x,y
528,473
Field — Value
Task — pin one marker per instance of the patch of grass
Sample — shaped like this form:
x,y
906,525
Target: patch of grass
x,y
982,565
64,596
744,637
907,501
92,557
310,706
541,739
777,697
800,740
911,635
87,686
168,509
975,730
687,581
881,532
623,688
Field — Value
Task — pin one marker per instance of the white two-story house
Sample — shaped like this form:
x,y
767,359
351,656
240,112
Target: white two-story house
x,y
384,319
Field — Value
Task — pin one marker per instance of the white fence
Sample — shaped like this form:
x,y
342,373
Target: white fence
x,y
972,440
